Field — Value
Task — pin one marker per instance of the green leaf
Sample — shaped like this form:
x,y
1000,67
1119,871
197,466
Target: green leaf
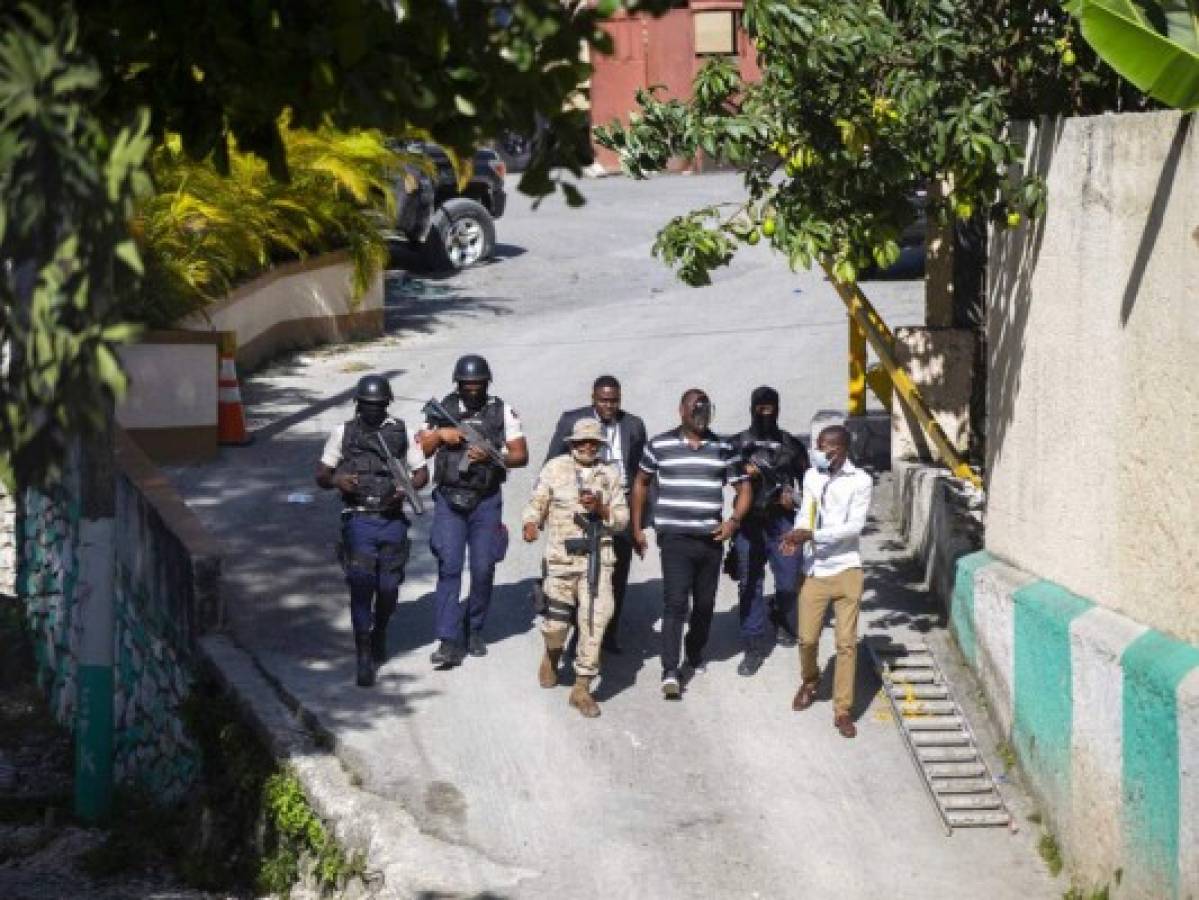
x,y
1165,67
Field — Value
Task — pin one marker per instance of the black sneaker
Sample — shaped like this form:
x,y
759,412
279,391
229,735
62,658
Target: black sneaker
x,y
446,656
749,665
695,666
476,646
785,638
672,688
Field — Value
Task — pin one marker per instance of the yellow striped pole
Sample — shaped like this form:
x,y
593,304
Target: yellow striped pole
x,y
866,317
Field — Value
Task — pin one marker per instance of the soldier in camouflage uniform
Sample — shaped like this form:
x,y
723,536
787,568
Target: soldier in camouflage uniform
x,y
571,484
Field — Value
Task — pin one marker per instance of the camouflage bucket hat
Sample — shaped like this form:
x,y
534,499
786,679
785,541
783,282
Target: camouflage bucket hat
x,y
587,430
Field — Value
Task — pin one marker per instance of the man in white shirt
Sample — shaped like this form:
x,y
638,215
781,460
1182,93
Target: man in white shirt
x,y
829,523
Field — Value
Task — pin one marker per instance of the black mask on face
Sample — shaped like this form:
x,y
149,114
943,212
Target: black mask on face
x,y
372,414
472,398
764,425
699,416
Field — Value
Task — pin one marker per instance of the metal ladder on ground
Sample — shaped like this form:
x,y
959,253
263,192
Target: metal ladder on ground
x,y
939,738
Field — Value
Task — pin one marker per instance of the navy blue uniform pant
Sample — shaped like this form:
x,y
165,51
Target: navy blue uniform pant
x,y
481,531
757,543
376,550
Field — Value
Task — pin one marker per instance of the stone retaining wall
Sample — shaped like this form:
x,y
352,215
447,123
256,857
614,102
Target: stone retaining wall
x,y
8,543
165,596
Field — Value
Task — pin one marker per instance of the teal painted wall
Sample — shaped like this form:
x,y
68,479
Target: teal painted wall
x,y
1154,665
961,605
1043,707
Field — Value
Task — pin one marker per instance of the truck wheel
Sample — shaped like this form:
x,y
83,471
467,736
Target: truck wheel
x,y
462,235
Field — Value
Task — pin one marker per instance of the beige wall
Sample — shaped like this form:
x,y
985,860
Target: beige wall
x,y
295,305
1093,383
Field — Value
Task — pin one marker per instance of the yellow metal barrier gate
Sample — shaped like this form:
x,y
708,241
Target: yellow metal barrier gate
x,y
866,326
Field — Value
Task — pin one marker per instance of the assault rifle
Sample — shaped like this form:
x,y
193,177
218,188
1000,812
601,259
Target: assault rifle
x,y
440,417
589,545
402,477
774,479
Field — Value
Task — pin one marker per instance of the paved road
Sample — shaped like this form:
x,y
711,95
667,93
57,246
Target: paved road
x,y
727,794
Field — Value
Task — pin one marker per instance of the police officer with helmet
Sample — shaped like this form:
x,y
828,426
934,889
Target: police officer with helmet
x,y
360,459
475,446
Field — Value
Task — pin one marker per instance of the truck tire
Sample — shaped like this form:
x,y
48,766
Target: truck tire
x,y
462,235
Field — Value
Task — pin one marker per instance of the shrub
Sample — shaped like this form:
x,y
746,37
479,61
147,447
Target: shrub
x,y
202,232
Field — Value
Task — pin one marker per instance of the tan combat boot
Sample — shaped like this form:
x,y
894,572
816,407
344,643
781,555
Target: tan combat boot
x,y
581,699
547,673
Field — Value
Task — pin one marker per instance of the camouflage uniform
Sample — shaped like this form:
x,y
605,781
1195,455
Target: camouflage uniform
x,y
553,506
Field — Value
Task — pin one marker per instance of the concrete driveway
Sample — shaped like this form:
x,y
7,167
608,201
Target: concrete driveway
x,y
727,794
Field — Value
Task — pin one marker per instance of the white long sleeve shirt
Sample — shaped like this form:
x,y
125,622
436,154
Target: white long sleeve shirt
x,y
834,509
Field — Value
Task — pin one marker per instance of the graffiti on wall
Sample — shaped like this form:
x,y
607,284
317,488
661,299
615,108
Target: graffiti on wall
x,y
151,677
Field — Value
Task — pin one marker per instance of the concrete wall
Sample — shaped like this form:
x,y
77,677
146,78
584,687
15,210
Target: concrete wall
x,y
940,362
170,409
1093,403
940,521
165,597
1103,714
293,306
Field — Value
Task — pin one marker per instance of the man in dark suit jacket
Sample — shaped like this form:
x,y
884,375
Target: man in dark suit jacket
x,y
626,439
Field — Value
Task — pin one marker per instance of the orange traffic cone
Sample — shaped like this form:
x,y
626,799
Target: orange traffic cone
x,y
231,415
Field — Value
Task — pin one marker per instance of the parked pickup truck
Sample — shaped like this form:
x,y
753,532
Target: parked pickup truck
x,y
453,229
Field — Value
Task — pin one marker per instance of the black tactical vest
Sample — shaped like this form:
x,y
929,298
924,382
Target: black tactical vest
x,y
482,477
777,458
362,455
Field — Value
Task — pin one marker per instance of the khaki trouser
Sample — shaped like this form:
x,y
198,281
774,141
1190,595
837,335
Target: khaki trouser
x,y
844,591
563,593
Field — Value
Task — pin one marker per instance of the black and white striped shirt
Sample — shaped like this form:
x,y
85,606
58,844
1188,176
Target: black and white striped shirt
x,y
690,481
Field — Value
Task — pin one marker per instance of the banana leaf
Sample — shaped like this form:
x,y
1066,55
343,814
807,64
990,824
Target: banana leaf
x,y
1154,45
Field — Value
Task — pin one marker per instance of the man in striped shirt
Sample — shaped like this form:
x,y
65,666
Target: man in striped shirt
x,y
691,466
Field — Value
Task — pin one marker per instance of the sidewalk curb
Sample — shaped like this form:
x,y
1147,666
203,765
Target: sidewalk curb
x,y
401,861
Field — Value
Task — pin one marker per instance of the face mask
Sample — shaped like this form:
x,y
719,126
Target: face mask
x,y
473,398
372,414
583,454
820,460
765,424
700,416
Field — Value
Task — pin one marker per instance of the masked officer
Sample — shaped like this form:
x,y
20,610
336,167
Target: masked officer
x,y
358,460
574,484
775,461
468,505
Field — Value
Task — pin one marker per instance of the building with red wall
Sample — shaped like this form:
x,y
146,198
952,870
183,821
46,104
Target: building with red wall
x,y
666,51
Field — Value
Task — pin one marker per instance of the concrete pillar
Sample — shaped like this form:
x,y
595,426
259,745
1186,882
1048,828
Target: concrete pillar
x,y
940,363
96,557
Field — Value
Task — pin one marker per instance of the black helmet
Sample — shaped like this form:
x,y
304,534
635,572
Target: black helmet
x,y
471,368
372,389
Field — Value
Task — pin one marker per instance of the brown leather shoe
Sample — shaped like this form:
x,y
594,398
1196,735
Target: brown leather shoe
x,y
581,699
805,696
547,672
844,724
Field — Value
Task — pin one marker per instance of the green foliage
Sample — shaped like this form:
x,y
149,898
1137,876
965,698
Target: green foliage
x,y
254,823
859,105
461,71
82,100
1051,853
203,232
299,831
1154,45
68,186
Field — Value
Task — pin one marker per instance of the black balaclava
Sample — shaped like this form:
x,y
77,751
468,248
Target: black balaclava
x,y
764,426
372,414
